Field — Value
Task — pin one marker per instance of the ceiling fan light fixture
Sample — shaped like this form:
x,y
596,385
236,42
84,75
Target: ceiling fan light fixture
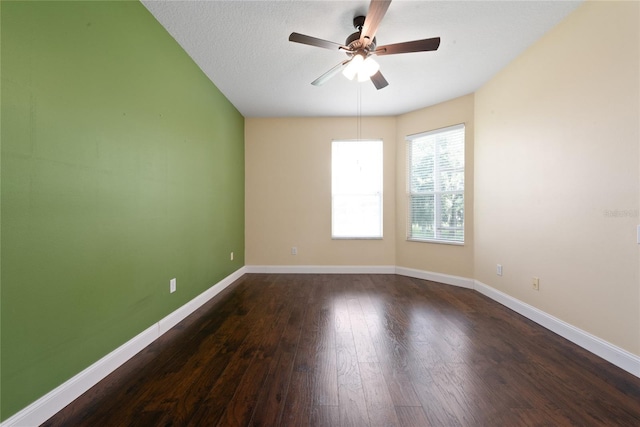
x,y
353,67
363,77
369,67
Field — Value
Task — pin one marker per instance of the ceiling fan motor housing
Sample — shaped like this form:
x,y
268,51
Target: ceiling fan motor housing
x,y
353,41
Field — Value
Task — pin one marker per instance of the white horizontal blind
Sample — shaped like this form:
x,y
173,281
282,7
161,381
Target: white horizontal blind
x,y
356,189
435,166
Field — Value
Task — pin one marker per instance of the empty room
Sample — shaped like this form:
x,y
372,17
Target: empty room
x,y
319,213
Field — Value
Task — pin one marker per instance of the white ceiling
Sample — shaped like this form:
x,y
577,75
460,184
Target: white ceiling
x,y
243,47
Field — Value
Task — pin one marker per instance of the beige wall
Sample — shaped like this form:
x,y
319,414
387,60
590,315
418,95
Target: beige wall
x,y
288,192
440,258
557,174
553,182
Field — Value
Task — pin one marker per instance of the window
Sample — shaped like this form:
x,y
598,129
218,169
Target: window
x,y
356,189
435,166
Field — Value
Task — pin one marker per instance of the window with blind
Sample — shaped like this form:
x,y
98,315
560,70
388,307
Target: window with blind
x,y
435,166
356,189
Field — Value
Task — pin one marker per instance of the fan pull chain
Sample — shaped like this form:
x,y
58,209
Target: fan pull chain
x,y
359,112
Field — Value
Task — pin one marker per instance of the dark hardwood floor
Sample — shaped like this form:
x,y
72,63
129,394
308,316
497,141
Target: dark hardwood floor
x,y
358,350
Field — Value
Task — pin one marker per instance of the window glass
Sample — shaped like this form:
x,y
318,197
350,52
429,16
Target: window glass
x,y
356,189
435,185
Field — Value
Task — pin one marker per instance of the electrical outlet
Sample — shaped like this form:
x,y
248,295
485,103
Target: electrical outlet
x,y
535,284
499,269
231,256
172,286
294,251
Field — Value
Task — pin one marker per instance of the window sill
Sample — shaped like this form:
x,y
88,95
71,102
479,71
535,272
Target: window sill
x,y
442,242
356,238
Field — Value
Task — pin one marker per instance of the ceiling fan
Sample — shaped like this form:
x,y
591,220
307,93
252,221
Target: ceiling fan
x,y
361,46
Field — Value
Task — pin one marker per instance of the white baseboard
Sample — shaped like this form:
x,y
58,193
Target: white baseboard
x,y
52,402
609,352
321,269
447,279
177,316
48,405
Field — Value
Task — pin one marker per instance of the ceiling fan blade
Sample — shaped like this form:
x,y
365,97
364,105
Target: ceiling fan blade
x,y
406,47
329,74
312,41
379,81
377,9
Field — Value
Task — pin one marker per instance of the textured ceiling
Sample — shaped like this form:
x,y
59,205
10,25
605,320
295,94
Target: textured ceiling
x,y
243,47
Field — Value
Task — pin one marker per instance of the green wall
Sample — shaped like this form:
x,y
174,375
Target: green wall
x,y
122,167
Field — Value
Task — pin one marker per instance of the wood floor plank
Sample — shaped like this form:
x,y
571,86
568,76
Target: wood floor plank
x,y
435,405
385,325
297,408
351,402
240,408
325,416
270,404
324,377
357,350
365,348
317,349
412,416
380,406
217,398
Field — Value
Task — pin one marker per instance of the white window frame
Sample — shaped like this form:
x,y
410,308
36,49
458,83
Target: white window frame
x,y
437,193
373,191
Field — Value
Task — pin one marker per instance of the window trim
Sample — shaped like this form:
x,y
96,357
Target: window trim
x,y
380,194
409,140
